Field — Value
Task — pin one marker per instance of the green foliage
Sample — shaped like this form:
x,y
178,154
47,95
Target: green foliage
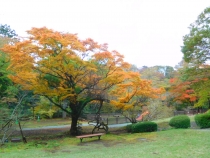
x,y
5,82
196,50
158,110
129,128
6,31
5,113
180,121
196,43
142,127
202,89
159,75
45,109
203,120
53,81
46,113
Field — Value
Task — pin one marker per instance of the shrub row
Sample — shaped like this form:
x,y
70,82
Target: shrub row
x,y
180,121
203,120
142,127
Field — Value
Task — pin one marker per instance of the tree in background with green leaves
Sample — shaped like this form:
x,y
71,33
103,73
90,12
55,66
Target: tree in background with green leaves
x,y
6,31
8,92
196,51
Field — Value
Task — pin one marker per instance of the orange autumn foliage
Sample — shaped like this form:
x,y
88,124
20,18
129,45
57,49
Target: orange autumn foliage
x,y
128,92
182,91
62,67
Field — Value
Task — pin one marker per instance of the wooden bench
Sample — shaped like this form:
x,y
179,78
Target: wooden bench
x,y
90,136
15,140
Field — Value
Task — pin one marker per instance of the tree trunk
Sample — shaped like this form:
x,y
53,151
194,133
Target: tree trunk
x,y
73,129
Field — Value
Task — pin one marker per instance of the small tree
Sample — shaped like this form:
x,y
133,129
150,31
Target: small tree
x,y
129,95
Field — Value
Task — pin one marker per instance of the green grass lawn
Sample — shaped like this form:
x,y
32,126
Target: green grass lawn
x,y
169,143
186,143
45,122
168,119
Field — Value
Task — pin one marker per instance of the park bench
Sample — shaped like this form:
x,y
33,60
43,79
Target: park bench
x,y
90,136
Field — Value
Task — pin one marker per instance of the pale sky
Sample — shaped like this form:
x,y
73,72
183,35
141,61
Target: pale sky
x,y
146,32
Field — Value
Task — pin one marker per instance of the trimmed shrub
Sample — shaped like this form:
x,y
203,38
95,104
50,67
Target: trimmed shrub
x,y
180,121
144,127
203,120
129,128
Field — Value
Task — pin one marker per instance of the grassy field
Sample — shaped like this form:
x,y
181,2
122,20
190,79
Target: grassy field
x,y
170,143
182,143
45,122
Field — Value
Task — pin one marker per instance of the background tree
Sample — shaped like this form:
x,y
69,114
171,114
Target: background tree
x,y
159,75
196,50
7,89
6,31
158,110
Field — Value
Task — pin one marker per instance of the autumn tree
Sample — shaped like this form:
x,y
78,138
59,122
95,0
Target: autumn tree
x,y
182,92
63,68
196,50
130,93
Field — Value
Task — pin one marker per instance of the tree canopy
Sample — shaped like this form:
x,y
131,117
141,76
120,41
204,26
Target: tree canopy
x,y
196,46
6,31
63,68
196,50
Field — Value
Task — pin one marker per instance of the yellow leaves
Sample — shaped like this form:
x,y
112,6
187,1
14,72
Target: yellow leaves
x,y
59,64
103,55
133,87
125,99
121,105
45,108
55,39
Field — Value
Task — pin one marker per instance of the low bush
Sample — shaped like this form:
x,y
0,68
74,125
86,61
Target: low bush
x,y
142,127
203,120
180,121
129,128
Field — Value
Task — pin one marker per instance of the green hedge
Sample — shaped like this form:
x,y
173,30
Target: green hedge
x,y
203,120
180,121
129,128
142,127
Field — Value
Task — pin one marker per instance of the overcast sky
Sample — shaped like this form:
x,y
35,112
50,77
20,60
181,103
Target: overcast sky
x,y
146,32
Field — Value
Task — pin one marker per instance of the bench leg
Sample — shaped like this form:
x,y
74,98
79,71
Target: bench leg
x,y
99,137
81,140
